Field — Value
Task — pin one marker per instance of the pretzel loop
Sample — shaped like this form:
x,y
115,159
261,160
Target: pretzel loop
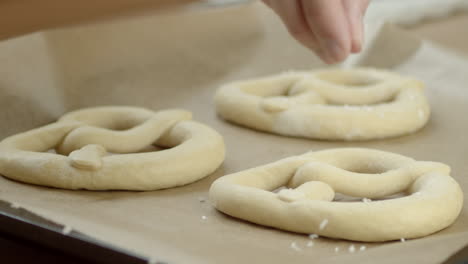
x,y
433,201
358,104
119,129
96,150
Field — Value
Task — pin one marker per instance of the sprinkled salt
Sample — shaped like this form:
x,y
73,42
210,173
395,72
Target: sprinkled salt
x,y
14,205
66,230
295,246
362,248
337,249
204,217
366,200
323,224
417,193
351,249
310,244
313,236
402,240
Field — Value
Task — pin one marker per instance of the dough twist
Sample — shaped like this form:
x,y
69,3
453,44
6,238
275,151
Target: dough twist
x,y
433,201
357,104
83,138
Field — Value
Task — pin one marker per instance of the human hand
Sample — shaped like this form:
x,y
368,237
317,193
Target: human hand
x,y
331,28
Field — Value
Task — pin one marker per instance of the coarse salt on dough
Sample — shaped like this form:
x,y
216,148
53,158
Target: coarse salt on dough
x,y
67,230
295,246
313,236
433,202
351,104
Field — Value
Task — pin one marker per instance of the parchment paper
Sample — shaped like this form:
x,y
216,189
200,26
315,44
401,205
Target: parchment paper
x,y
179,60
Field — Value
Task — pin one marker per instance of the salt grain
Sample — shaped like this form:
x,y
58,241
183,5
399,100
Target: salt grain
x,y
351,249
204,217
295,246
366,200
14,205
402,240
313,236
66,230
323,224
362,248
310,244
337,249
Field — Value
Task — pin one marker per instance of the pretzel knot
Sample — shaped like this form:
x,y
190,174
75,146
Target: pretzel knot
x,y
358,104
433,199
104,148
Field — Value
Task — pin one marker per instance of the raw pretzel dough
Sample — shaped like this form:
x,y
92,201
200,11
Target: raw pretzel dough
x,y
358,104
86,135
433,201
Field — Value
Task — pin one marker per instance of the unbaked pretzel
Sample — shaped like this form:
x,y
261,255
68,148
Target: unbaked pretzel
x,y
357,104
83,138
433,201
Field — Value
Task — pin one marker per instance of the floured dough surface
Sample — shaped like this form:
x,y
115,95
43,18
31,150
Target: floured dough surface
x,y
354,104
432,201
85,138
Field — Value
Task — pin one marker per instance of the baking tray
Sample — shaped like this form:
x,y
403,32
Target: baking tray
x,y
22,224
26,227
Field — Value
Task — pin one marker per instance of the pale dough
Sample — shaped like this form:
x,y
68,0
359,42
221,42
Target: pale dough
x,y
83,139
355,104
433,198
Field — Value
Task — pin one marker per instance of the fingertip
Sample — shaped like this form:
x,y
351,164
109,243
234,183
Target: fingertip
x,y
337,52
357,38
329,24
356,13
324,57
356,46
293,18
